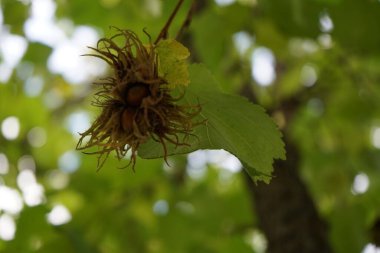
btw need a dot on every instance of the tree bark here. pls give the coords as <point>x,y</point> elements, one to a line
<point>286,212</point>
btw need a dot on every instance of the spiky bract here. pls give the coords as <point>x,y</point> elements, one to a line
<point>136,102</point>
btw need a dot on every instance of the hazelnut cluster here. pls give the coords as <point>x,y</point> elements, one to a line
<point>136,103</point>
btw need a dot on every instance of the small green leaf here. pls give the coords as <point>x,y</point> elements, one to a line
<point>233,124</point>
<point>172,62</point>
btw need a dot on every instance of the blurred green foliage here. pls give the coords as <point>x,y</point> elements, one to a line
<point>167,209</point>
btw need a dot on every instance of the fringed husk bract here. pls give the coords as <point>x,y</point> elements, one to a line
<point>136,102</point>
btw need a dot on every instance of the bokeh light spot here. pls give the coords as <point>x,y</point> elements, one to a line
<point>263,66</point>
<point>34,195</point>
<point>32,192</point>
<point>325,41</point>
<point>24,70</point>
<point>371,248</point>
<point>161,207</point>
<point>224,160</point>
<point>26,162</point>
<point>41,26</point>
<point>26,179</point>
<point>10,128</point>
<point>5,73</point>
<point>37,137</point>
<point>154,7</point>
<point>12,48</point>
<point>10,200</point>
<point>58,180</point>
<point>376,137</point>
<point>53,99</point>
<point>7,227</point>
<point>326,22</point>
<point>69,161</point>
<point>78,122</point>
<point>59,215</point>
<point>4,164</point>
<point>257,241</point>
<point>308,75</point>
<point>33,86</point>
<point>360,184</point>
<point>224,2</point>
<point>66,58</point>
<point>242,41</point>
<point>196,164</point>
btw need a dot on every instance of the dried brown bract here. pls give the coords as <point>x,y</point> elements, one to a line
<point>136,102</point>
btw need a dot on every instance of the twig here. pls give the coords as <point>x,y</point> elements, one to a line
<point>164,31</point>
<point>186,23</point>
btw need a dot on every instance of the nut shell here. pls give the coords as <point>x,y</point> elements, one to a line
<point>136,93</point>
<point>127,119</point>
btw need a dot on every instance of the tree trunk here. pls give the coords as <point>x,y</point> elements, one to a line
<point>286,212</point>
<point>285,209</point>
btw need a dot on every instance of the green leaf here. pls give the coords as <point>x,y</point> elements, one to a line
<point>172,62</point>
<point>233,124</point>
